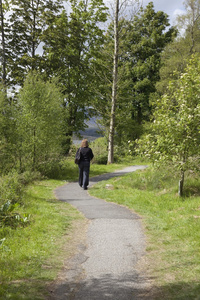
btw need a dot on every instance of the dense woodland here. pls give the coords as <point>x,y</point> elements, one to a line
<point>57,72</point>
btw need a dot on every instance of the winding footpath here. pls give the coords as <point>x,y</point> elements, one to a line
<point>105,264</point>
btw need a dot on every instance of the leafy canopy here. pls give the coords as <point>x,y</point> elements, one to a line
<point>175,132</point>
<point>40,121</point>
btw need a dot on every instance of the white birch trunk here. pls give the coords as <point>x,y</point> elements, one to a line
<point>114,87</point>
<point>3,44</point>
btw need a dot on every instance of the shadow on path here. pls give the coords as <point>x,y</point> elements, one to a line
<point>106,287</point>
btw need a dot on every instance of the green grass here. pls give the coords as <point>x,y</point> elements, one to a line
<point>68,170</point>
<point>29,255</point>
<point>32,256</point>
<point>172,226</point>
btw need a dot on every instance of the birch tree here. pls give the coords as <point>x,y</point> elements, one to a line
<point>119,6</point>
<point>3,9</point>
<point>114,86</point>
<point>3,44</point>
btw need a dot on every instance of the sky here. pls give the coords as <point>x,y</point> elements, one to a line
<point>170,7</point>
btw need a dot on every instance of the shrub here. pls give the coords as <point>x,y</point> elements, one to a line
<point>99,148</point>
<point>10,188</point>
<point>10,218</point>
<point>13,184</point>
<point>29,176</point>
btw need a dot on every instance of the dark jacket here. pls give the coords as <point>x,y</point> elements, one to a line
<point>86,154</point>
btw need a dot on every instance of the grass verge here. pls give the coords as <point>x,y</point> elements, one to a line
<point>31,256</point>
<point>69,171</point>
<point>172,227</point>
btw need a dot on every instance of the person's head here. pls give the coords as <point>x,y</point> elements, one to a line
<point>84,143</point>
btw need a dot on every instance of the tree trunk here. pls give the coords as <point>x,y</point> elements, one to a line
<point>114,87</point>
<point>3,45</point>
<point>181,183</point>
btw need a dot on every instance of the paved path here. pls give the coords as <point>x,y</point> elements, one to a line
<point>105,266</point>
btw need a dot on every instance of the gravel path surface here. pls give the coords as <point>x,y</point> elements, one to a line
<point>105,264</point>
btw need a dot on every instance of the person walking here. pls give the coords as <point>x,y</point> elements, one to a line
<point>86,155</point>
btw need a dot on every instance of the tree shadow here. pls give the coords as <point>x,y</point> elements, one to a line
<point>26,289</point>
<point>105,287</point>
<point>126,287</point>
<point>176,291</point>
<point>191,190</point>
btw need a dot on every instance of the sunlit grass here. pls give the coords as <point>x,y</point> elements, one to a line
<point>172,226</point>
<point>69,170</point>
<point>29,257</point>
<point>32,256</point>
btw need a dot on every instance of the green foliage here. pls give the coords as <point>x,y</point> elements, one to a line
<point>28,177</point>
<point>3,248</point>
<point>71,43</point>
<point>153,180</point>
<point>11,188</point>
<point>175,135</point>
<point>13,184</point>
<point>141,42</point>
<point>26,23</point>
<point>40,122</point>
<point>10,218</point>
<point>177,53</point>
<point>7,133</point>
<point>99,148</point>
<point>146,38</point>
<point>1,242</point>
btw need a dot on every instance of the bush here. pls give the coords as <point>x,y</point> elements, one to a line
<point>13,184</point>
<point>50,168</point>
<point>29,176</point>
<point>10,188</point>
<point>99,148</point>
<point>10,218</point>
